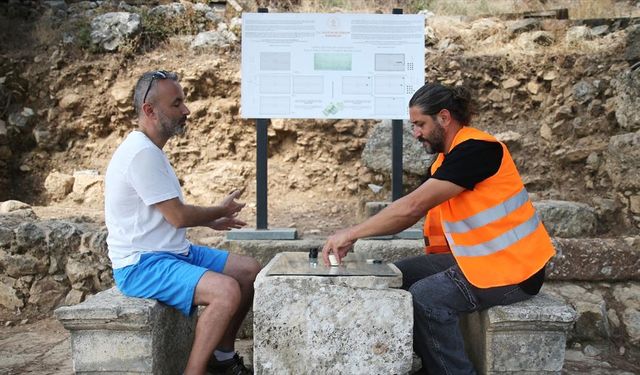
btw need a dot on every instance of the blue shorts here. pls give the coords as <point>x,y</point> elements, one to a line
<point>170,278</point>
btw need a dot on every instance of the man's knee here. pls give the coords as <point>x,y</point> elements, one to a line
<point>248,270</point>
<point>253,268</point>
<point>220,291</point>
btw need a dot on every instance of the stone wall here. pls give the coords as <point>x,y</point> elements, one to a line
<point>46,263</point>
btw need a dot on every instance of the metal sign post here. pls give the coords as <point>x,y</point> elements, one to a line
<point>396,151</point>
<point>262,231</point>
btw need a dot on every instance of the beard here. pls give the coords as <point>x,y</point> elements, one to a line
<point>434,142</point>
<point>172,126</point>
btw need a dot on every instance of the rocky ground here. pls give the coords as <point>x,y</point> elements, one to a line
<point>560,93</point>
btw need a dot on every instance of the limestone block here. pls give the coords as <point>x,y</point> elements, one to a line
<point>627,99</point>
<point>88,184</point>
<point>377,151</point>
<point>58,185</point>
<point>30,237</point>
<point>47,293</point>
<point>331,325</point>
<point>110,30</point>
<point>567,219</point>
<point>594,259</point>
<point>623,160</point>
<point>6,237</point>
<point>22,264</point>
<point>628,295</point>
<point>62,236</point>
<point>264,251</point>
<point>631,321</point>
<point>8,297</point>
<point>372,208</point>
<point>592,320</point>
<point>78,270</point>
<point>121,93</point>
<point>12,205</point>
<point>112,333</point>
<point>217,39</point>
<point>389,250</point>
<point>528,337</point>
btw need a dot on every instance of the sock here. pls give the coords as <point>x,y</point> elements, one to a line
<point>223,356</point>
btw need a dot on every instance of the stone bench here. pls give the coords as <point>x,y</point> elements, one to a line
<point>330,323</point>
<point>115,334</point>
<point>524,338</point>
<point>527,337</point>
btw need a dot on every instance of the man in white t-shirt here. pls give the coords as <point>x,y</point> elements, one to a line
<point>146,217</point>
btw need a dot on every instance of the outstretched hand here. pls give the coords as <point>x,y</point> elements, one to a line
<point>229,204</point>
<point>226,223</point>
<point>338,244</point>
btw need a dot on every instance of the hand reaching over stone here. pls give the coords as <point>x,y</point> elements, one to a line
<point>338,244</point>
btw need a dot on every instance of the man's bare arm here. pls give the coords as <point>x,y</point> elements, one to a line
<point>407,210</point>
<point>182,215</point>
<point>398,216</point>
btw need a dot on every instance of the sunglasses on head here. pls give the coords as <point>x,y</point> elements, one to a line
<point>158,74</point>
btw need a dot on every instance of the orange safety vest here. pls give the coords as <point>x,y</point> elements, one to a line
<point>493,231</point>
<point>434,234</point>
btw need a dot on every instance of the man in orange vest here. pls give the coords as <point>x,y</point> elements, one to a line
<point>487,245</point>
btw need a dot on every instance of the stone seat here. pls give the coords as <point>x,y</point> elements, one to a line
<point>115,334</point>
<point>527,337</point>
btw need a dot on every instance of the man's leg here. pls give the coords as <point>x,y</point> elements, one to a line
<point>221,295</point>
<point>244,270</point>
<point>420,276</point>
<point>437,302</point>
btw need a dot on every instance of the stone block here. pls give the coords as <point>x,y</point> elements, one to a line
<point>112,333</point>
<point>262,234</point>
<point>567,219</point>
<point>528,337</point>
<point>594,259</point>
<point>389,251</point>
<point>263,251</point>
<point>372,208</point>
<point>410,234</point>
<point>331,324</point>
<point>377,151</point>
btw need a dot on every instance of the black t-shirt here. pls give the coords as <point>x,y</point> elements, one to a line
<point>471,162</point>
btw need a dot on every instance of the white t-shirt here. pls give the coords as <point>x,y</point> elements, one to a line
<point>138,176</point>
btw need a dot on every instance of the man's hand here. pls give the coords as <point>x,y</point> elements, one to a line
<point>229,204</point>
<point>226,223</point>
<point>339,244</point>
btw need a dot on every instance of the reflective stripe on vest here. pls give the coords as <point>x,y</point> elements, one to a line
<point>499,243</point>
<point>489,215</point>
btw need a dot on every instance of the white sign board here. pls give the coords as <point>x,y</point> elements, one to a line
<point>341,66</point>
